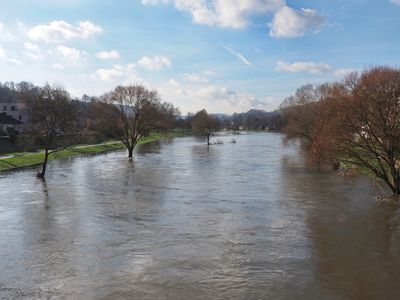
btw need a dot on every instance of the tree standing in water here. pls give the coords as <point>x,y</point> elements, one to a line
<point>204,124</point>
<point>127,113</point>
<point>53,120</point>
<point>356,121</point>
<point>369,114</point>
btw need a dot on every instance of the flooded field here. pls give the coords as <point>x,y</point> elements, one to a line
<point>244,220</point>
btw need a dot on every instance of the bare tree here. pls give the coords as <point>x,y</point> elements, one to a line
<point>302,112</point>
<point>369,116</point>
<point>355,121</point>
<point>204,124</point>
<point>53,119</point>
<point>167,116</point>
<point>311,118</point>
<point>127,113</point>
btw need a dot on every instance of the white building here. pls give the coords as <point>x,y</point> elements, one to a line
<point>15,110</point>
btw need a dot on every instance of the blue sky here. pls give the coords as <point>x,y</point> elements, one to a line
<point>223,55</point>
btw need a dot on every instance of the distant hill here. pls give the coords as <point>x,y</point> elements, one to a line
<point>253,119</point>
<point>221,117</point>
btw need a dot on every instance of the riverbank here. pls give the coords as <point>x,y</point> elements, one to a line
<point>28,159</point>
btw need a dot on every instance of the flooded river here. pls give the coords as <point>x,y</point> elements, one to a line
<point>242,220</point>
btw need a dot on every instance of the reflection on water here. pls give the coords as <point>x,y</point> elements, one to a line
<point>241,221</point>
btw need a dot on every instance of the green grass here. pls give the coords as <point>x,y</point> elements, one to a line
<point>362,169</point>
<point>30,159</point>
<point>26,159</point>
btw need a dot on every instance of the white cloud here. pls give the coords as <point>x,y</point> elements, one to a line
<point>59,31</point>
<point>32,51</point>
<point>223,13</point>
<point>118,73</point>
<point>343,72</point>
<point>397,2</point>
<point>236,101</point>
<point>113,54</point>
<point>312,67</point>
<point>238,55</point>
<point>154,63</point>
<point>209,73</point>
<point>303,66</point>
<point>6,35</point>
<point>290,23</point>
<point>31,47</point>
<point>15,61</point>
<point>216,98</point>
<point>70,54</point>
<point>195,78</point>
<point>287,22</point>
<point>2,53</point>
<point>152,2</point>
<point>201,77</point>
<point>58,66</point>
<point>5,57</point>
<point>173,83</point>
<point>109,74</point>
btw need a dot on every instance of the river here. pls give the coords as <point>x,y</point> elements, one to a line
<point>244,220</point>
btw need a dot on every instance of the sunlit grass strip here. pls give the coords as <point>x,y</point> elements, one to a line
<point>31,159</point>
<point>26,159</point>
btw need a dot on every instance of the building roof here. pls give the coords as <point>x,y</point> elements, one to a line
<point>8,120</point>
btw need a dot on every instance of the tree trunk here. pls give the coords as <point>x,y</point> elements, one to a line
<point>396,189</point>
<point>44,165</point>
<point>130,152</point>
<point>208,139</point>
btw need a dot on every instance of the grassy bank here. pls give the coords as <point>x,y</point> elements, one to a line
<point>26,159</point>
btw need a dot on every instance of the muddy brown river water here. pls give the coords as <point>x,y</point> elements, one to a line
<point>235,221</point>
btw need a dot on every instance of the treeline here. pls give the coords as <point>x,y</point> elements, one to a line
<point>256,120</point>
<point>355,121</point>
<point>251,120</point>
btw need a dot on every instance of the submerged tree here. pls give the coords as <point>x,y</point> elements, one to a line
<point>355,121</point>
<point>311,119</point>
<point>53,120</point>
<point>369,119</point>
<point>128,113</point>
<point>301,111</point>
<point>204,124</point>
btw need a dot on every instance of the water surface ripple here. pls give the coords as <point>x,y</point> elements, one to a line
<point>235,221</point>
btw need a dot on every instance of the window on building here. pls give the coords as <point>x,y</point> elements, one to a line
<point>20,118</point>
<point>13,108</point>
<point>5,108</point>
